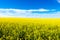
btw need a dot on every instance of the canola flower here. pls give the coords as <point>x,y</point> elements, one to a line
<point>29,29</point>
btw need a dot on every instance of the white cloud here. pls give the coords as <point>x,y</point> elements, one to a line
<point>58,1</point>
<point>29,13</point>
<point>41,10</point>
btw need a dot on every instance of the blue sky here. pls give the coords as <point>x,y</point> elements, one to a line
<point>30,4</point>
<point>30,8</point>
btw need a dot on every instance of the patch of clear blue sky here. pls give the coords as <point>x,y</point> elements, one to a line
<point>30,4</point>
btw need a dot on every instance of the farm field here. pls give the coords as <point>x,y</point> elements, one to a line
<point>29,29</point>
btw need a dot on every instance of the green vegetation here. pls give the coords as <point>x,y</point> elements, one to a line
<point>28,31</point>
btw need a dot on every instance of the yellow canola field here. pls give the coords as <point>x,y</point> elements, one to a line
<point>29,28</point>
<point>32,20</point>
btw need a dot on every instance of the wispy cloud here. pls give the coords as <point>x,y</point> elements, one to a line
<point>41,10</point>
<point>29,13</point>
<point>58,1</point>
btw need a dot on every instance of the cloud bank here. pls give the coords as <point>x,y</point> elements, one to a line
<point>31,13</point>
